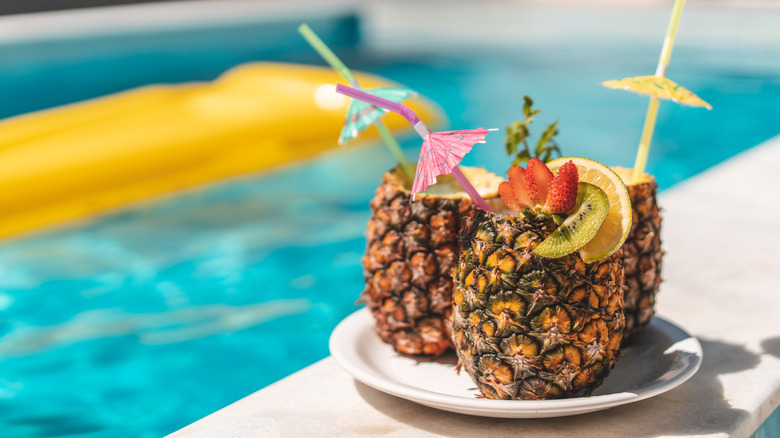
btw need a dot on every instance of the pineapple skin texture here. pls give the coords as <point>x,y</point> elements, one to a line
<point>411,250</point>
<point>530,328</point>
<point>642,259</point>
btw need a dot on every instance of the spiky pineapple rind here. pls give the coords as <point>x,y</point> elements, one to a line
<point>531,328</point>
<point>411,249</point>
<point>642,258</point>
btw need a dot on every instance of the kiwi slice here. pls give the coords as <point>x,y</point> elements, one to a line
<point>590,211</point>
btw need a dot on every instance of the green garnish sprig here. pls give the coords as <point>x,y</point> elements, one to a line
<point>517,135</point>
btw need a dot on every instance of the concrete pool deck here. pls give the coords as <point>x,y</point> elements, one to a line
<point>720,284</point>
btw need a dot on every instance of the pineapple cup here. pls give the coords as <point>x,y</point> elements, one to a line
<point>411,249</point>
<point>531,328</point>
<point>642,255</point>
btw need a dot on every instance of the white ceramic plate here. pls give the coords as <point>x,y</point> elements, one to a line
<point>665,357</point>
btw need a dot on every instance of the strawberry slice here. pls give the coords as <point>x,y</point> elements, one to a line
<point>508,196</point>
<point>519,187</point>
<point>537,178</point>
<point>563,189</point>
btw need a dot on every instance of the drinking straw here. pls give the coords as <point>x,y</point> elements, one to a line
<point>652,108</point>
<point>421,129</point>
<point>392,145</point>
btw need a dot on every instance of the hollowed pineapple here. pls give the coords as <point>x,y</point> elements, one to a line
<point>411,249</point>
<point>530,328</point>
<point>642,255</point>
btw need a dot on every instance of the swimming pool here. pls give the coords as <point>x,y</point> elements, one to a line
<point>140,322</point>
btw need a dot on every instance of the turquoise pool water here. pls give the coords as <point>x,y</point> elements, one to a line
<point>141,322</point>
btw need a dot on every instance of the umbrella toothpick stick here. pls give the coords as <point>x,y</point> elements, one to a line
<point>336,64</point>
<point>652,108</point>
<point>468,188</point>
<point>644,142</point>
<point>425,133</point>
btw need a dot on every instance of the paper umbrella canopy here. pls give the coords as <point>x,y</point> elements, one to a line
<point>361,115</point>
<point>658,86</point>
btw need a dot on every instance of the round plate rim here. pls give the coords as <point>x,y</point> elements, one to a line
<point>344,343</point>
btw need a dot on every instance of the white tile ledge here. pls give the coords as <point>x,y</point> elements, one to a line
<point>722,250</point>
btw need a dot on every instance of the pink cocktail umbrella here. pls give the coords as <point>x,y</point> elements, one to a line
<point>441,151</point>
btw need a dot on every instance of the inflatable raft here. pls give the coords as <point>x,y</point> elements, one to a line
<point>80,159</point>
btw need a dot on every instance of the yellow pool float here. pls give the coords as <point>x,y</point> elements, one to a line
<point>80,159</point>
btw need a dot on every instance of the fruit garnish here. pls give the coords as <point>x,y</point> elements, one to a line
<point>537,178</point>
<point>537,188</point>
<point>508,197</point>
<point>517,135</point>
<point>563,189</point>
<point>614,230</point>
<point>519,188</point>
<point>590,210</point>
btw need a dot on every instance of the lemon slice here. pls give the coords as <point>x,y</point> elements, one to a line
<point>614,230</point>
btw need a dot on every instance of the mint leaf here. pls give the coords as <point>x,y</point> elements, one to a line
<point>517,135</point>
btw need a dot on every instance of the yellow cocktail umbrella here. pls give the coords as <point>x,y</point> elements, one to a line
<point>657,87</point>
